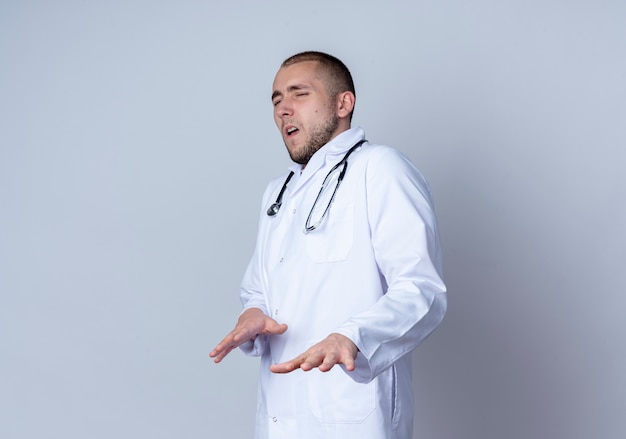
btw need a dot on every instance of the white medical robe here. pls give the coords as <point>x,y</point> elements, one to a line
<point>371,271</point>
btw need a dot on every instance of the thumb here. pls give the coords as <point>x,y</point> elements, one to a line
<point>274,328</point>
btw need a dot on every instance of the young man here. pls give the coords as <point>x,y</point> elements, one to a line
<point>345,280</point>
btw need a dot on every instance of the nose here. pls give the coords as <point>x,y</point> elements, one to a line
<point>283,108</point>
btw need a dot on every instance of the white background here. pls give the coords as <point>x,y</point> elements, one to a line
<point>136,139</point>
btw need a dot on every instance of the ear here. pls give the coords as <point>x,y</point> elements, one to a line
<point>345,104</point>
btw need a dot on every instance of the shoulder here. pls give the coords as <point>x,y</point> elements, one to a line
<point>384,156</point>
<point>385,163</point>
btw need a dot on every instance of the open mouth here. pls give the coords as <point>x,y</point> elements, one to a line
<point>291,131</point>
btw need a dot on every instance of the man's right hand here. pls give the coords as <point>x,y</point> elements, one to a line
<point>252,322</point>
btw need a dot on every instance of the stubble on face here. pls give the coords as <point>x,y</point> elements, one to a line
<point>319,136</point>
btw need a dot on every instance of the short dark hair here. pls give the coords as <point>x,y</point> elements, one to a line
<point>337,76</point>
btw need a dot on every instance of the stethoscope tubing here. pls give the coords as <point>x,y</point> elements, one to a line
<point>275,207</point>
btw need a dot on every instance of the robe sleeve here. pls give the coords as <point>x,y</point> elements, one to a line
<point>405,240</point>
<point>252,294</point>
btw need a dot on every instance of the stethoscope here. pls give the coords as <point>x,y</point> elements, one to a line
<point>308,227</point>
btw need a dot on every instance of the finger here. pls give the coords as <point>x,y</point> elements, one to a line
<point>276,328</point>
<point>224,347</point>
<point>219,348</point>
<point>348,362</point>
<point>221,351</point>
<point>226,341</point>
<point>315,357</point>
<point>329,361</point>
<point>236,338</point>
<point>287,366</point>
<point>218,357</point>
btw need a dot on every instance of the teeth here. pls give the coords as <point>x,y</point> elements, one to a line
<point>291,130</point>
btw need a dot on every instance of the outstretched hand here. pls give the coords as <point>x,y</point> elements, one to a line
<point>334,349</point>
<point>252,322</point>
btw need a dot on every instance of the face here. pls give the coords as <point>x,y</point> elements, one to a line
<point>304,112</point>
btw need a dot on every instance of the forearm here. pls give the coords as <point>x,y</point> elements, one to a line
<point>398,323</point>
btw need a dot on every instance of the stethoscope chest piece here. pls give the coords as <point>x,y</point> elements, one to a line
<point>273,209</point>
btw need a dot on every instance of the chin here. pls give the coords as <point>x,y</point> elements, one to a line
<point>292,148</point>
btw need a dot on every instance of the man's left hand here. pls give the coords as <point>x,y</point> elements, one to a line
<point>334,349</point>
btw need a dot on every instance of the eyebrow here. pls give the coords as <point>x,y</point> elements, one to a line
<point>291,88</point>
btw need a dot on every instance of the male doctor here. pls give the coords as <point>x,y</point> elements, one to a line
<point>345,280</point>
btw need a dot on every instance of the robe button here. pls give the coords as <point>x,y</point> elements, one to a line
<point>275,419</point>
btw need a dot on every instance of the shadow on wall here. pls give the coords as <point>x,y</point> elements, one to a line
<point>504,362</point>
